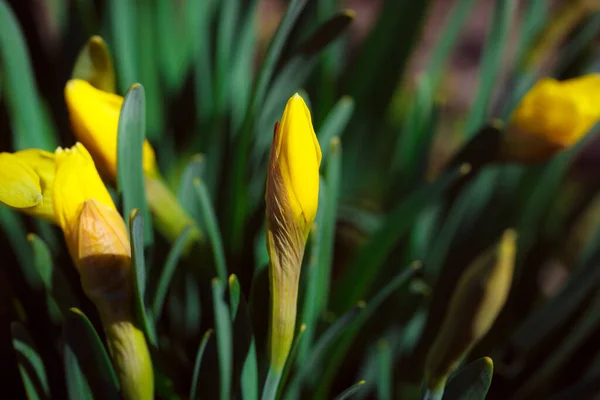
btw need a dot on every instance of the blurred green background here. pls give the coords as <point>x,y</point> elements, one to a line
<point>404,85</point>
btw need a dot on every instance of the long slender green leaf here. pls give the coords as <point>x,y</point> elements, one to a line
<point>124,28</point>
<point>166,274</point>
<point>130,142</point>
<point>197,363</point>
<point>335,124</point>
<point>345,341</point>
<point>471,382</point>
<point>46,274</point>
<point>31,366</point>
<point>358,279</point>
<point>88,371</point>
<point>136,235</point>
<point>224,337</point>
<point>386,366</point>
<point>20,92</point>
<point>351,391</point>
<point>491,62</point>
<point>199,26</point>
<point>228,22</point>
<point>212,227</point>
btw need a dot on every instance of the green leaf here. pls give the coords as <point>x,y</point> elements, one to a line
<point>212,227</point>
<point>130,142</point>
<point>491,63</point>
<point>386,366</point>
<point>166,274</point>
<point>581,39</point>
<point>31,366</point>
<point>16,233</point>
<point>199,22</point>
<point>228,22</point>
<point>335,124</point>
<point>94,64</point>
<point>20,92</point>
<point>88,371</point>
<point>198,363</point>
<point>245,363</point>
<point>317,356</point>
<point>383,56</point>
<point>224,337</point>
<point>358,279</point>
<point>470,382</point>
<point>136,235</point>
<point>351,391</point>
<point>345,342</point>
<point>124,30</point>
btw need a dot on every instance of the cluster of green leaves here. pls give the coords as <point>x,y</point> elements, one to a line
<point>368,311</point>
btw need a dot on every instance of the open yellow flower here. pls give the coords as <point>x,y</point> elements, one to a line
<point>98,242</point>
<point>291,206</point>
<point>26,181</point>
<point>95,119</point>
<point>551,117</point>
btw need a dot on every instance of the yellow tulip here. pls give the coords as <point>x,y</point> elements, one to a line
<point>551,117</point>
<point>26,181</point>
<point>98,242</point>
<point>291,206</point>
<point>95,119</point>
<point>478,299</point>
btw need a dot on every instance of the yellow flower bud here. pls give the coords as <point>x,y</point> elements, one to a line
<point>551,117</point>
<point>95,119</point>
<point>98,242</point>
<point>291,206</point>
<point>479,297</point>
<point>26,181</point>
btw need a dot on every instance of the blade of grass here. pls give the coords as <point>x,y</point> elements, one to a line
<point>471,382</point>
<point>136,236</point>
<point>20,92</point>
<point>130,142</point>
<point>335,124</point>
<point>228,22</point>
<point>166,274</point>
<point>31,366</point>
<point>386,365</point>
<point>351,391</point>
<point>212,228</point>
<point>123,29</point>
<point>199,26</point>
<point>224,337</point>
<point>358,279</point>
<point>491,63</point>
<point>198,362</point>
<point>88,370</point>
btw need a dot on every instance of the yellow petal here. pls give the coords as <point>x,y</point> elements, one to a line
<point>299,157</point>
<point>19,184</point>
<point>42,163</point>
<point>76,181</point>
<point>559,112</point>
<point>95,118</point>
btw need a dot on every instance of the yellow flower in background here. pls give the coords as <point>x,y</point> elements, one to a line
<point>291,206</point>
<point>476,302</point>
<point>551,117</point>
<point>26,182</point>
<point>95,118</point>
<point>98,242</point>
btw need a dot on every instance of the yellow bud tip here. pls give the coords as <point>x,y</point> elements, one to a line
<point>346,99</point>
<point>361,382</point>
<point>135,85</point>
<point>196,181</point>
<point>96,39</point>
<point>31,237</point>
<point>416,265</point>
<point>361,304</point>
<point>350,13</point>
<point>208,333</point>
<point>215,281</point>
<point>232,279</point>
<point>465,168</point>
<point>489,362</point>
<point>302,327</point>
<point>197,158</point>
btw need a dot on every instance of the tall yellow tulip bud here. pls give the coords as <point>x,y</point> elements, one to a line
<point>479,297</point>
<point>551,117</point>
<point>291,206</point>
<point>26,181</point>
<point>95,119</point>
<point>97,239</point>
